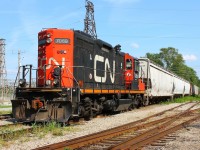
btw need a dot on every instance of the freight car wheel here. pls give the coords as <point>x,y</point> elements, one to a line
<point>145,101</point>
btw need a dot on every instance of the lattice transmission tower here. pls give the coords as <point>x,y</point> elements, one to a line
<point>89,22</point>
<point>3,72</point>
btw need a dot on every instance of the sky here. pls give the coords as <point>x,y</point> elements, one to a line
<point>139,26</point>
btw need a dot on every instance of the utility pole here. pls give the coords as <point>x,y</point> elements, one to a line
<point>19,64</point>
<point>89,22</point>
<point>3,72</point>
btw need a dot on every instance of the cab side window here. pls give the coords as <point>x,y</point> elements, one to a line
<point>128,64</point>
<point>137,67</point>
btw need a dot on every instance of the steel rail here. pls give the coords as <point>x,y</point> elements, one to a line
<point>10,125</point>
<point>162,134</point>
<point>5,116</point>
<point>134,140</point>
<point>89,139</point>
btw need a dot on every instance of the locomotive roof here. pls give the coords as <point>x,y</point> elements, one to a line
<point>90,39</point>
<point>86,37</point>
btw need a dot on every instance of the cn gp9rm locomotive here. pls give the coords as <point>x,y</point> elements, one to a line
<point>77,76</point>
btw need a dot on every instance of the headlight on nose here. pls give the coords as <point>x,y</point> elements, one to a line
<point>48,82</point>
<point>49,40</point>
<point>48,35</point>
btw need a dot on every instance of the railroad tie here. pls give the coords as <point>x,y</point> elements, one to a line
<point>158,144</point>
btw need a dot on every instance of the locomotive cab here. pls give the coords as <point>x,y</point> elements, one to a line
<point>131,73</point>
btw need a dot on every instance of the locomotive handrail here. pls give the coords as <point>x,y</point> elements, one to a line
<point>16,81</point>
<point>101,84</point>
<point>30,69</point>
<point>17,76</point>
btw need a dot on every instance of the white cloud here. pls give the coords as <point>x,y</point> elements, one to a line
<point>134,45</point>
<point>190,57</point>
<point>122,1</point>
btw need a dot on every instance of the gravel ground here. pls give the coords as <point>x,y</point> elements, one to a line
<point>188,138</point>
<point>95,125</point>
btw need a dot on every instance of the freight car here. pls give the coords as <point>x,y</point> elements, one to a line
<point>161,83</point>
<point>77,76</point>
<point>195,90</point>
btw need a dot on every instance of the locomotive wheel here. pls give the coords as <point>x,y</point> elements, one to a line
<point>88,115</point>
<point>137,102</point>
<point>130,107</point>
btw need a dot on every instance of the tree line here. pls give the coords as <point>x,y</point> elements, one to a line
<point>170,59</point>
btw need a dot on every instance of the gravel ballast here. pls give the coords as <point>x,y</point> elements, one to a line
<point>95,125</point>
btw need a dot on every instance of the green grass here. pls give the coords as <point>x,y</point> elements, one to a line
<point>51,128</point>
<point>39,131</point>
<point>9,139</point>
<point>66,148</point>
<point>12,136</point>
<point>5,106</point>
<point>5,112</point>
<point>183,99</point>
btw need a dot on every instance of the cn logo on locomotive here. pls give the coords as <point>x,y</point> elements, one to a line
<point>106,70</point>
<point>51,61</point>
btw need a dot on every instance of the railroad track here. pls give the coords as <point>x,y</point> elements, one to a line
<point>143,131</point>
<point>10,125</point>
<point>5,116</point>
<point>163,129</point>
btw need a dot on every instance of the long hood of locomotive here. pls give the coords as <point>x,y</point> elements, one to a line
<point>85,62</point>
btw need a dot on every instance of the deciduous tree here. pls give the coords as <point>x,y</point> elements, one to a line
<point>170,59</point>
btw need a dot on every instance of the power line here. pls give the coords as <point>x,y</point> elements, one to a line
<point>149,9</point>
<point>153,23</point>
<point>149,36</point>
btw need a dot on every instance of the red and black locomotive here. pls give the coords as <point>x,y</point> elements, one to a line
<point>77,76</point>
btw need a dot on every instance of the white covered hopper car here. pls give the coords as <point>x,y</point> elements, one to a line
<point>161,83</point>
